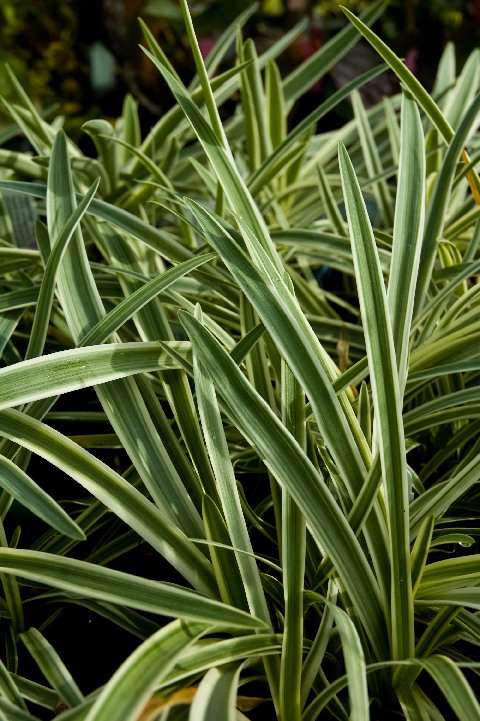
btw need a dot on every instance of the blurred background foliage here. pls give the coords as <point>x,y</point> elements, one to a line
<point>79,57</point>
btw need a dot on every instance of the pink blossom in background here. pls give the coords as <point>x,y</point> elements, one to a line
<point>206,44</point>
<point>411,59</point>
<point>308,43</point>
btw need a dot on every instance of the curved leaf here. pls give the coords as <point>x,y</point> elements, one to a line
<point>92,581</point>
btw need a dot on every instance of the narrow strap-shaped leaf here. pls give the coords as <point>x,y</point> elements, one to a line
<point>432,635</point>
<point>317,651</point>
<point>392,128</point>
<point>41,318</point>
<point>10,712</point>
<point>288,326</point>
<point>446,74</point>
<point>252,141</point>
<point>423,98</point>
<point>24,489</point>
<point>22,163</point>
<point>130,129</point>
<point>450,573</point>
<point>438,499</point>
<point>251,222</point>
<point>70,370</point>
<point>139,298</point>
<point>432,310</point>
<point>52,667</point>
<point>226,486</point>
<point>407,232</point>
<point>11,589</point>
<point>296,474</point>
<point>293,559</point>
<point>364,412</point>
<point>448,400</point>
<point>18,299</point>
<point>21,117</point>
<point>36,692</point>
<point>372,160</point>
<point>230,586</point>
<point>358,514</point>
<point>473,245</point>
<point>258,179</point>
<point>22,214</point>
<point>386,402</point>
<point>225,40</point>
<point>246,343</point>
<point>216,695</point>
<point>202,657</point>
<point>255,82</point>
<point>100,131</point>
<point>463,597</point>
<point>331,52</point>
<point>161,242</point>
<point>313,711</point>
<point>415,705</point>
<point>256,363</point>
<point>223,85</point>
<point>441,192</point>
<point>41,129</point>
<point>355,666</point>
<point>135,680</point>
<point>92,581</point>
<point>9,689</point>
<point>280,312</point>
<point>455,687</point>
<point>464,91</point>
<point>83,308</point>
<point>277,117</point>
<point>421,549</point>
<point>8,323</point>
<point>114,492</point>
<point>202,73</point>
<point>331,207</point>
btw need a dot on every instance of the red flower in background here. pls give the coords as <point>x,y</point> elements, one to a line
<point>308,43</point>
<point>206,44</point>
<point>411,59</point>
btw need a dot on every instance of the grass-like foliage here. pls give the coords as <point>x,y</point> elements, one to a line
<point>239,395</point>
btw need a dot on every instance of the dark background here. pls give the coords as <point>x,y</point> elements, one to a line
<point>80,57</point>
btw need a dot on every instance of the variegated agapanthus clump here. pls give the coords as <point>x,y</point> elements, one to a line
<point>264,485</point>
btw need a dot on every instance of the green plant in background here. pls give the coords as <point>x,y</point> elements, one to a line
<point>38,40</point>
<point>303,460</point>
<point>79,59</point>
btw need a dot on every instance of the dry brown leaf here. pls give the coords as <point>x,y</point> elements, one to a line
<point>157,704</point>
<point>185,698</point>
<point>247,703</point>
<point>472,179</point>
<point>343,352</point>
